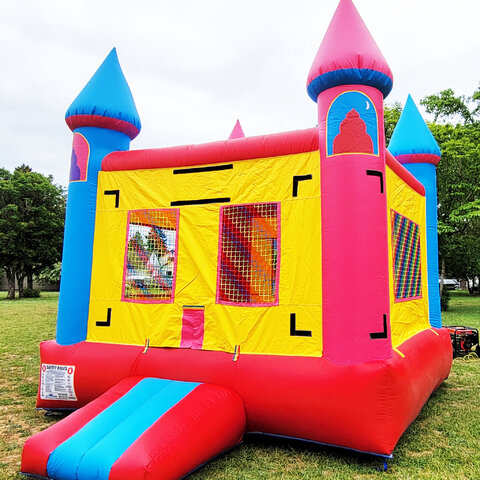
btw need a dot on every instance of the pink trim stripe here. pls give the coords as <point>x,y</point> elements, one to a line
<point>279,251</point>
<point>287,143</point>
<point>400,300</point>
<point>77,121</point>
<point>219,253</point>
<point>418,158</point>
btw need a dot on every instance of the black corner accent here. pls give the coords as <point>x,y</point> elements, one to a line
<point>296,180</point>
<point>293,328</point>
<point>117,196</point>
<point>202,201</point>
<point>379,174</point>
<point>213,168</point>
<point>384,334</point>
<point>106,323</point>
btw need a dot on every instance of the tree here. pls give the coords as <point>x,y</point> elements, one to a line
<point>51,274</point>
<point>135,248</point>
<point>8,210</point>
<point>449,108</point>
<point>391,115</point>
<point>156,241</point>
<point>32,211</point>
<point>457,131</point>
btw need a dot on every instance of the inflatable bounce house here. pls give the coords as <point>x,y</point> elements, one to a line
<point>284,284</point>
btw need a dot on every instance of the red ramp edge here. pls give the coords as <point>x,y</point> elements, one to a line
<point>37,449</point>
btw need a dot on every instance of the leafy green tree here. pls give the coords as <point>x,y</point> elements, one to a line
<point>32,211</point>
<point>51,274</point>
<point>136,246</point>
<point>457,131</point>
<point>391,115</point>
<point>451,109</point>
<point>8,210</point>
<point>157,241</point>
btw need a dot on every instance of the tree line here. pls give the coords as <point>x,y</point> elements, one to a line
<point>32,212</point>
<point>456,128</point>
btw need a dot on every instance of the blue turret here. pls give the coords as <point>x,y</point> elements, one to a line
<point>415,147</point>
<point>103,119</point>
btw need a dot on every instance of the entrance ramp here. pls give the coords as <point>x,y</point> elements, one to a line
<point>142,428</point>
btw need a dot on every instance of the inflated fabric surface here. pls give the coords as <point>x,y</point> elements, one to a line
<point>365,406</point>
<point>272,273</point>
<point>140,428</point>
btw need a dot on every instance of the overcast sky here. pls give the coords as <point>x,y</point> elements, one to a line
<point>194,67</point>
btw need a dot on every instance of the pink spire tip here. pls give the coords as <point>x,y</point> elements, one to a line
<point>237,131</point>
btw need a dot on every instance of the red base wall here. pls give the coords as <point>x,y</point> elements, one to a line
<point>366,407</point>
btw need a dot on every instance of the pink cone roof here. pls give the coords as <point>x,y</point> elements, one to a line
<point>349,45</point>
<point>237,131</point>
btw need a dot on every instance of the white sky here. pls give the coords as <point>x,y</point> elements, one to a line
<point>194,66</point>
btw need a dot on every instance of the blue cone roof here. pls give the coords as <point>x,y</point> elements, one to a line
<point>412,135</point>
<point>108,95</point>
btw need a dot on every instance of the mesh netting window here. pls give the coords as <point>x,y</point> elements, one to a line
<point>248,258</point>
<point>150,258</point>
<point>406,258</point>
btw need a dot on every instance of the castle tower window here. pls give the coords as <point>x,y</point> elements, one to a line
<point>352,125</point>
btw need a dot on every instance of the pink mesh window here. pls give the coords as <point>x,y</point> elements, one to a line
<point>151,256</point>
<point>248,254</point>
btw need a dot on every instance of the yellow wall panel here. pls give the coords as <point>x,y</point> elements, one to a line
<point>411,316</point>
<point>256,329</point>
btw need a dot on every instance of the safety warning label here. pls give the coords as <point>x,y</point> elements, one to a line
<point>56,382</point>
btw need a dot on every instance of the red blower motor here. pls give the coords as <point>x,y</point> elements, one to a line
<point>464,339</point>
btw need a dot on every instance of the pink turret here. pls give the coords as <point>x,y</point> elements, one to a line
<point>348,55</point>
<point>237,131</point>
<point>348,79</point>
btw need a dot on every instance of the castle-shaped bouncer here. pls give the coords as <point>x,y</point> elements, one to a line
<point>284,284</point>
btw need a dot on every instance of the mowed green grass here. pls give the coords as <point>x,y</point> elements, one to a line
<point>23,325</point>
<point>443,443</point>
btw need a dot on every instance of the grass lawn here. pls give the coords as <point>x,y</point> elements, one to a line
<point>443,443</point>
